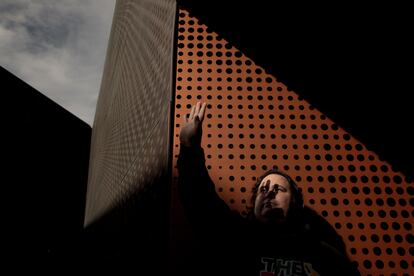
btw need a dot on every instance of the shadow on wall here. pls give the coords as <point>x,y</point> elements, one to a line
<point>45,158</point>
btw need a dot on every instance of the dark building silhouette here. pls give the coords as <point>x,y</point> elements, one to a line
<point>45,160</point>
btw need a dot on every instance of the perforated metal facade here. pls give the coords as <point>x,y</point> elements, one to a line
<point>254,122</point>
<point>131,127</point>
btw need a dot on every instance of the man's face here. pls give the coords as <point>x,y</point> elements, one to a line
<point>273,199</point>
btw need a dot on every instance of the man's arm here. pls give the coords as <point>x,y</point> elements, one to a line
<point>197,191</point>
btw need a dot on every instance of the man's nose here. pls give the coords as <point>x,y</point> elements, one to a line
<point>272,193</point>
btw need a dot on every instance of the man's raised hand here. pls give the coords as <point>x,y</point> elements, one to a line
<point>191,130</point>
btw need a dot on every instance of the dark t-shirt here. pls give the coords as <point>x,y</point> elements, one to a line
<point>230,244</point>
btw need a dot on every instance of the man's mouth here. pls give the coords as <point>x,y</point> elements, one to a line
<point>271,210</point>
<point>269,204</point>
<point>274,213</point>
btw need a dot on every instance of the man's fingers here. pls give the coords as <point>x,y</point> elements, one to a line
<point>192,113</point>
<point>185,119</point>
<point>201,111</point>
<point>197,109</point>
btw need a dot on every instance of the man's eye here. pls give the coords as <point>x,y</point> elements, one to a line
<point>264,190</point>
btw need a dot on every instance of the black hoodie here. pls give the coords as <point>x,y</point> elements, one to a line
<point>230,244</point>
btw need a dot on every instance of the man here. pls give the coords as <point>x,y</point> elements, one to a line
<point>274,239</point>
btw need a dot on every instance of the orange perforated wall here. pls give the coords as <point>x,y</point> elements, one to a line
<point>253,123</point>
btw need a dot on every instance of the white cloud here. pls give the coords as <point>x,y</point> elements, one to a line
<point>58,47</point>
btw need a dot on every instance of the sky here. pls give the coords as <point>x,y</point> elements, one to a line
<point>58,47</point>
